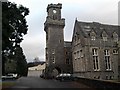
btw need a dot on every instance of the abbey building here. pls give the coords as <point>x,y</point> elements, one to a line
<point>92,53</point>
<point>95,50</point>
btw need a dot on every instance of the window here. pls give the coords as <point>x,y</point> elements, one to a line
<point>78,40</point>
<point>115,37</point>
<point>115,51</point>
<point>95,60</point>
<point>53,55</point>
<point>78,54</point>
<point>66,53</point>
<point>81,54</point>
<point>104,38</point>
<point>107,59</point>
<point>92,37</point>
<point>67,61</point>
<point>53,51</point>
<point>60,41</point>
<point>75,55</point>
<point>75,38</point>
<point>53,58</point>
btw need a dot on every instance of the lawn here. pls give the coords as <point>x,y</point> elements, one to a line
<point>8,84</point>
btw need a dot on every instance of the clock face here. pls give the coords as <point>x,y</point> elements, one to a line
<point>54,11</point>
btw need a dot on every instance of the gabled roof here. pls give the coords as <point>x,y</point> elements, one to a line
<point>85,28</point>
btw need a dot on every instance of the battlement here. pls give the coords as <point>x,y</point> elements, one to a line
<point>59,5</point>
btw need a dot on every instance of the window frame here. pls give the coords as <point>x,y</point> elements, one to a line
<point>107,59</point>
<point>95,57</point>
<point>116,51</point>
<point>105,38</point>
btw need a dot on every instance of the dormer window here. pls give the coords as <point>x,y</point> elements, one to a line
<point>93,35</point>
<point>104,36</point>
<point>115,37</point>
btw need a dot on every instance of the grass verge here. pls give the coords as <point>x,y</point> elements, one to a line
<point>7,84</point>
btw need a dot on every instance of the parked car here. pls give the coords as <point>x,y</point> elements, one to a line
<point>15,76</point>
<point>9,76</point>
<point>64,76</point>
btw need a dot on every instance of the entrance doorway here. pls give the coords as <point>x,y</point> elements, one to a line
<point>55,72</point>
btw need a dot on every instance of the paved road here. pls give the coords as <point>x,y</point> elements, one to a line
<point>36,82</point>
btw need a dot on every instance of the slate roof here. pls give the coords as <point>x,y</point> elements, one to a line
<point>86,27</point>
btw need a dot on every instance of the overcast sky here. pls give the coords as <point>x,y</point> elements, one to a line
<point>103,11</point>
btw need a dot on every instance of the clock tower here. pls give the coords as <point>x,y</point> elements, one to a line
<point>53,27</point>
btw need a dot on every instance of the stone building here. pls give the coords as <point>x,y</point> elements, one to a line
<point>36,71</point>
<point>68,56</point>
<point>95,50</point>
<point>92,53</point>
<point>53,27</point>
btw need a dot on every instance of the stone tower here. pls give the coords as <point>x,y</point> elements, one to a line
<point>53,27</point>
